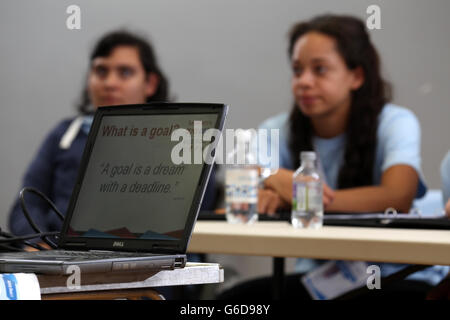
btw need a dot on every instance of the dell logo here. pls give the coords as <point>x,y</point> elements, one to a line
<point>118,244</point>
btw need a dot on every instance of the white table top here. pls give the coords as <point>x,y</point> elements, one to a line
<point>280,239</point>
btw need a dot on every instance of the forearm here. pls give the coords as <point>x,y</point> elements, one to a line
<point>397,190</point>
<point>370,199</point>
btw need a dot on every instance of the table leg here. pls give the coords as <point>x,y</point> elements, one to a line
<point>278,278</point>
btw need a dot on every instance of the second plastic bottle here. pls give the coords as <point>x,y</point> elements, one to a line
<point>307,202</point>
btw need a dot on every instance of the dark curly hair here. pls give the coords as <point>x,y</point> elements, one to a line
<point>354,45</point>
<point>114,39</point>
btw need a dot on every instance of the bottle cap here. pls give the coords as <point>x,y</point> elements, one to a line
<point>308,155</point>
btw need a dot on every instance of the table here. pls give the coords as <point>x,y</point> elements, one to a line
<point>128,284</point>
<point>279,240</point>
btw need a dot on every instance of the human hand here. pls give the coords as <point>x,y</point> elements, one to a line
<point>281,183</point>
<point>269,201</point>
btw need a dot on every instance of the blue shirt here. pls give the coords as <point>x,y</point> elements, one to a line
<point>398,142</point>
<point>53,171</point>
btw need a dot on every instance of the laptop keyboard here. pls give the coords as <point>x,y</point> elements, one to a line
<point>87,255</point>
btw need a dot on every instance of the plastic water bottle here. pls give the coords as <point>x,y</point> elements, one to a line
<point>307,201</point>
<point>241,181</point>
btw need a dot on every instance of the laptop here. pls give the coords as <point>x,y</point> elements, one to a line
<point>135,201</point>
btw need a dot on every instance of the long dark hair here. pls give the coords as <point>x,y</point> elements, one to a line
<point>354,45</point>
<point>147,56</point>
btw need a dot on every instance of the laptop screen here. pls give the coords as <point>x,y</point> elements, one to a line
<point>134,186</point>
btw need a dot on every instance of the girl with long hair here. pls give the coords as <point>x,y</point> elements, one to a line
<point>369,149</point>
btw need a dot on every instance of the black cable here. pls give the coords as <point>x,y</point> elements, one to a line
<point>29,236</point>
<point>28,216</point>
<point>28,243</point>
<point>11,239</point>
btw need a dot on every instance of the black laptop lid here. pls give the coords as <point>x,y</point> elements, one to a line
<point>132,194</point>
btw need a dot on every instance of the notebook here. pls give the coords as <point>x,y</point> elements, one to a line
<point>135,201</point>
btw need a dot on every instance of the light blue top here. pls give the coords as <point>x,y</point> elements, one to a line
<point>398,142</point>
<point>445,176</point>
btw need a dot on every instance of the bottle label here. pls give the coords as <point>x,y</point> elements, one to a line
<point>19,286</point>
<point>242,185</point>
<point>307,196</point>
